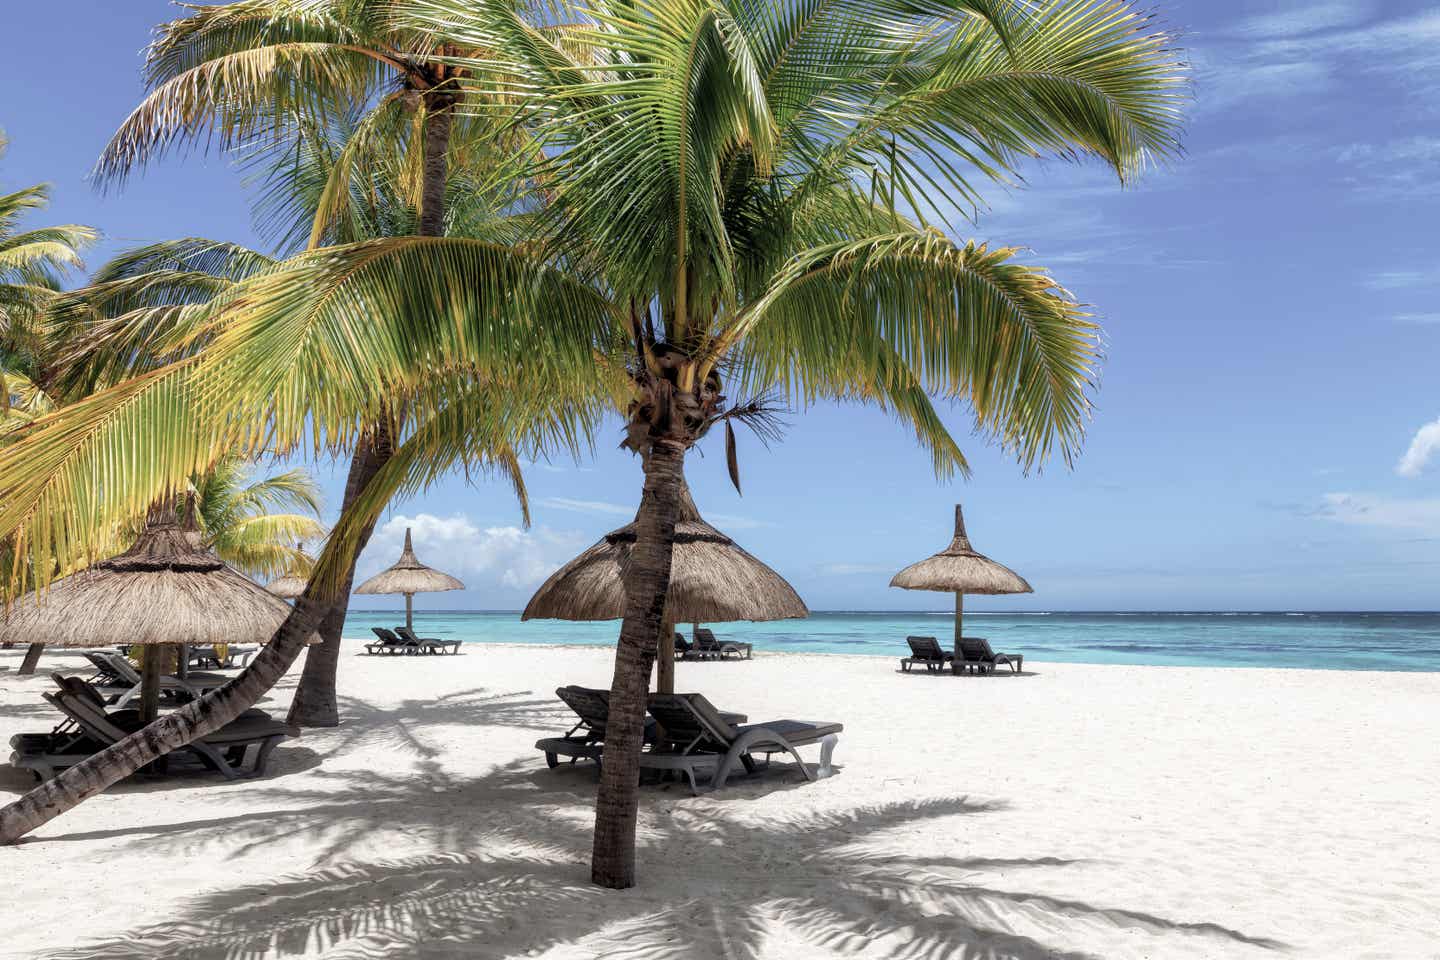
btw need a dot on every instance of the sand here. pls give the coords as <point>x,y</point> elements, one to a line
<point>1077,811</point>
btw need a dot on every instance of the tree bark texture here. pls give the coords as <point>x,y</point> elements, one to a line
<point>647,586</point>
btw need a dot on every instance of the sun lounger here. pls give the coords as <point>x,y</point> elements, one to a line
<point>582,741</point>
<point>926,650</point>
<point>979,657</point>
<point>585,740</point>
<point>432,644</point>
<point>190,687</point>
<point>391,644</point>
<point>706,643</point>
<point>206,656</point>
<point>697,740</point>
<point>225,750</point>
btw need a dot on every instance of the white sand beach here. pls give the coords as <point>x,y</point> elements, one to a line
<point>1077,811</point>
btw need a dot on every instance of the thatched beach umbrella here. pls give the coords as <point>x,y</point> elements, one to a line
<point>960,569</point>
<point>165,590</point>
<point>409,576</point>
<point>712,580</point>
<point>287,587</point>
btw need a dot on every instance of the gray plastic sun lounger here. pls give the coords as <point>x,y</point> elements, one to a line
<point>225,750</point>
<point>926,650</point>
<point>585,740</point>
<point>193,685</point>
<point>391,644</point>
<point>432,644</point>
<point>207,655</point>
<point>706,643</point>
<point>979,656</point>
<point>697,740</point>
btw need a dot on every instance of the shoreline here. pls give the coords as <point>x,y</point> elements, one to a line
<point>899,654</point>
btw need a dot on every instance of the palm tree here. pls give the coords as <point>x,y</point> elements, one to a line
<point>253,524</point>
<point>741,191</point>
<point>754,182</point>
<point>32,265</point>
<point>289,75</point>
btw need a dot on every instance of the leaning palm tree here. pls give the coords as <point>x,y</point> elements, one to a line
<point>318,89</point>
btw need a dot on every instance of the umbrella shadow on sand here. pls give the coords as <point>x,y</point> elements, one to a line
<point>505,874</point>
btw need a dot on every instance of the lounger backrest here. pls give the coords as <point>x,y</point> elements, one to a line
<point>681,643</point>
<point>688,717</point>
<point>925,648</point>
<point>92,720</point>
<point>76,687</point>
<point>407,635</point>
<point>976,649</point>
<point>121,667</point>
<point>385,635</point>
<point>705,639</point>
<point>590,705</point>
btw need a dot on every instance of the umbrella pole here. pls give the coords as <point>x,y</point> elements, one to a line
<point>150,681</point>
<point>959,620</point>
<point>665,662</point>
<point>410,612</point>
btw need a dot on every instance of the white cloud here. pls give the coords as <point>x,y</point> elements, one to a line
<point>1372,510</point>
<point>731,522</point>
<point>853,569</point>
<point>506,555</point>
<point>1423,319</point>
<point>1423,448</point>
<point>1403,279</point>
<point>588,506</point>
<point>1311,18</point>
<point>725,521</point>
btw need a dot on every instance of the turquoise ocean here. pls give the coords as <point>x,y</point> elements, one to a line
<point>1334,641</point>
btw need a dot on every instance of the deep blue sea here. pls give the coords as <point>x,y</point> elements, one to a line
<point>1336,641</point>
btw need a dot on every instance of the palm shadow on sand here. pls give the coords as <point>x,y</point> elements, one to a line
<point>507,871</point>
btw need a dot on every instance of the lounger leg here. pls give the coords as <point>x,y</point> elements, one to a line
<point>827,750</point>
<point>214,759</point>
<point>263,756</point>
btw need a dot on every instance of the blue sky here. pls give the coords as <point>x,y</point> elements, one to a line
<point>1268,426</point>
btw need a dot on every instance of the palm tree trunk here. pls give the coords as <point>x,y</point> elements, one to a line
<point>647,584</point>
<point>316,703</point>
<point>194,720</point>
<point>439,113</point>
<point>32,659</point>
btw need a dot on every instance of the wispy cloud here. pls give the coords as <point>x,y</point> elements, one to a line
<point>731,521</point>
<point>1311,18</point>
<point>504,556</point>
<point>1374,510</point>
<point>853,569</point>
<point>1403,279</point>
<point>1424,447</point>
<point>1314,49</point>
<point>588,506</point>
<point>1421,319</point>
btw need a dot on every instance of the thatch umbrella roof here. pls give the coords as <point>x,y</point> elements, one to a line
<point>712,580</point>
<point>165,589</point>
<point>960,569</point>
<point>287,587</point>
<point>409,576</point>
